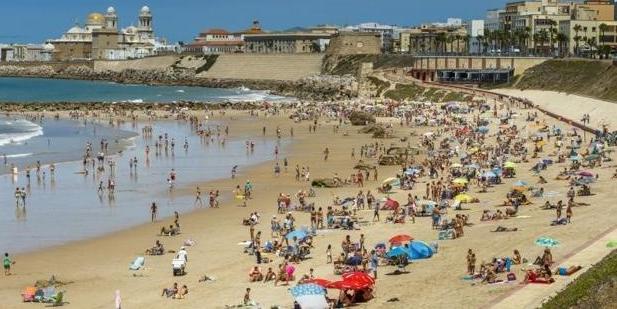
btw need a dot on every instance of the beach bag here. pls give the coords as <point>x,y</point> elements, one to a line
<point>511,277</point>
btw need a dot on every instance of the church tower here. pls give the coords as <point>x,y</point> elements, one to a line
<point>111,19</point>
<point>145,24</point>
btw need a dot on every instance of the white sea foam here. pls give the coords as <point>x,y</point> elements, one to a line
<point>18,131</point>
<point>18,155</point>
<point>180,90</point>
<point>246,95</point>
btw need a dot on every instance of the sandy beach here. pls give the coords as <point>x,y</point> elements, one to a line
<point>98,267</point>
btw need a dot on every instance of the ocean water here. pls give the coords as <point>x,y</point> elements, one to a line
<point>59,90</point>
<point>66,206</point>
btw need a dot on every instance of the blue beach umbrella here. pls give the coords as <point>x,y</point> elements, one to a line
<point>489,174</point>
<point>298,234</point>
<point>483,129</point>
<point>398,251</point>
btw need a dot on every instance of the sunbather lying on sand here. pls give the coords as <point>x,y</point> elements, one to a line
<point>505,229</point>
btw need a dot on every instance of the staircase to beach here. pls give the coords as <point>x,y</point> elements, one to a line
<point>257,66</point>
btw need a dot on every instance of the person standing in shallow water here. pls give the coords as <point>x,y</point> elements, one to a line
<point>153,211</point>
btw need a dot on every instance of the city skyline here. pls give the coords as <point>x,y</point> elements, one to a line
<point>46,20</point>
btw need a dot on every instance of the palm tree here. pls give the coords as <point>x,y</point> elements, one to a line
<point>562,39</point>
<point>603,29</point>
<point>440,40</point>
<point>480,42</point>
<point>577,28</point>
<point>466,40</point>
<point>552,35</point>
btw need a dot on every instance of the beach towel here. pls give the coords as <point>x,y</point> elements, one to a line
<point>28,294</point>
<point>137,263</point>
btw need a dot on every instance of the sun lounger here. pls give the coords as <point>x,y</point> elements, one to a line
<point>137,263</point>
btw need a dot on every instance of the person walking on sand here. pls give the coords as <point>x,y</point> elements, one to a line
<point>153,211</point>
<point>376,211</point>
<point>247,297</point>
<point>198,197</point>
<point>326,152</point>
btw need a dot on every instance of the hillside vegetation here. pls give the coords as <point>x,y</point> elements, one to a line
<point>350,64</point>
<point>596,79</point>
<point>596,288</point>
<point>418,93</point>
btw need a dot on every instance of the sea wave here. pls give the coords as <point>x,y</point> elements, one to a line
<point>18,155</point>
<point>246,95</point>
<point>17,131</point>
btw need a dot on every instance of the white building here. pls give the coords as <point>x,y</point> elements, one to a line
<point>491,22</point>
<point>475,29</point>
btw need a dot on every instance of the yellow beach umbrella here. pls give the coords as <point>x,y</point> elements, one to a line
<point>460,181</point>
<point>464,198</point>
<point>509,165</point>
<point>456,165</point>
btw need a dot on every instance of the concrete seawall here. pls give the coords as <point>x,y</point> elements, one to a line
<point>266,67</point>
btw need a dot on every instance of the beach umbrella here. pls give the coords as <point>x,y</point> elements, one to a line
<point>520,185</point>
<point>547,242</point>
<point>319,281</point>
<point>359,277</point>
<point>509,164</point>
<point>309,296</point>
<point>420,250</point>
<point>460,181</point>
<point>483,129</point>
<point>497,171</point>
<point>585,174</point>
<point>489,174</point>
<point>464,198</point>
<point>575,158</point>
<point>547,161</point>
<point>354,260</point>
<point>391,204</point>
<point>456,165</point>
<point>298,234</point>
<point>389,180</point>
<point>346,285</point>
<point>401,238</point>
<point>397,251</point>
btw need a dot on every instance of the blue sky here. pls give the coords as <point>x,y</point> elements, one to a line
<point>37,20</point>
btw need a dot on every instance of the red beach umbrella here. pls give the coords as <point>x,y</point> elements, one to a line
<point>320,281</point>
<point>399,239</point>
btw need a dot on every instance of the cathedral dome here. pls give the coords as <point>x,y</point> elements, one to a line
<point>145,10</point>
<point>111,10</point>
<point>95,19</point>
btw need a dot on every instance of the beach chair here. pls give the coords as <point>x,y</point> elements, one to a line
<point>446,234</point>
<point>137,263</point>
<point>49,295</point>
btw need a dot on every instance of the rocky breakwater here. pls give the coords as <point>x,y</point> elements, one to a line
<point>319,87</point>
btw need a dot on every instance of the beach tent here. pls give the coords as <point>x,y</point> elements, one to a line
<point>310,296</point>
<point>420,250</point>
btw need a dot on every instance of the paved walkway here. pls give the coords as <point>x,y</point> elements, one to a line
<point>533,295</point>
